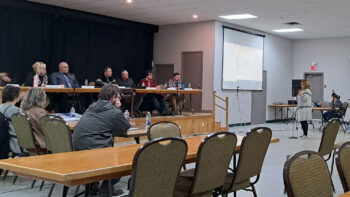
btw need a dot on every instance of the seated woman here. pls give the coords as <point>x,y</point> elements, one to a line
<point>4,79</point>
<point>10,96</point>
<point>338,106</point>
<point>33,104</point>
<point>37,78</point>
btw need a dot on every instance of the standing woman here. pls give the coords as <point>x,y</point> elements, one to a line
<point>304,106</point>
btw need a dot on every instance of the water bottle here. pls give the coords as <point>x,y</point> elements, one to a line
<point>189,85</point>
<point>127,114</point>
<point>72,110</point>
<point>182,86</point>
<point>143,84</point>
<point>149,84</point>
<point>148,120</point>
<point>86,82</point>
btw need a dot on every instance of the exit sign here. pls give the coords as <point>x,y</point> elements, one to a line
<point>313,66</point>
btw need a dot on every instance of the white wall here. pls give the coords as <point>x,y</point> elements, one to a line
<point>207,36</point>
<point>171,40</point>
<point>333,58</point>
<point>278,62</point>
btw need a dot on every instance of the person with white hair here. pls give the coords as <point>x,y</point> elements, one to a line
<point>37,78</point>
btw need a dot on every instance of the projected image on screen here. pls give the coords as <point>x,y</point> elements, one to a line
<point>242,60</point>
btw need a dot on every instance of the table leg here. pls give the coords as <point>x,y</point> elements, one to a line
<point>275,113</point>
<point>281,113</point>
<point>65,191</point>
<point>110,188</point>
<point>137,140</point>
<point>191,103</point>
<point>87,190</point>
<point>132,104</point>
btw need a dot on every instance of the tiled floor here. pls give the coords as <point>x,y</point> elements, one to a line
<point>269,185</point>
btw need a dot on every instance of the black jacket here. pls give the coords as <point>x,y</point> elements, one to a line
<point>105,80</point>
<point>99,124</point>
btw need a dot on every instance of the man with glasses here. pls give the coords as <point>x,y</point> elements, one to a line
<point>99,124</point>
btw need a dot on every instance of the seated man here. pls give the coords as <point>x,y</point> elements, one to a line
<point>338,106</point>
<point>175,99</point>
<point>107,78</point>
<point>156,99</point>
<point>63,77</point>
<point>98,126</point>
<point>4,79</point>
<point>127,82</point>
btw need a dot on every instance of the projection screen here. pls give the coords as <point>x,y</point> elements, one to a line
<point>243,54</point>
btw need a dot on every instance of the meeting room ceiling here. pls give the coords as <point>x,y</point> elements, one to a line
<point>318,18</point>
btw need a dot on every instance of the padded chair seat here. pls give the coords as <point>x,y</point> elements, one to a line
<point>184,183</point>
<point>237,186</point>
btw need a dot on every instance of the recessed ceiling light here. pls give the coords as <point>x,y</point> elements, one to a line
<point>287,30</point>
<point>238,16</point>
<point>195,16</point>
<point>129,1</point>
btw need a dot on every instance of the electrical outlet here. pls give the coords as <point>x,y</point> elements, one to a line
<point>202,124</point>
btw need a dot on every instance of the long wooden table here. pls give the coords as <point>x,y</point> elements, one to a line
<point>130,91</point>
<point>136,131</point>
<point>347,194</point>
<point>281,106</point>
<point>83,167</point>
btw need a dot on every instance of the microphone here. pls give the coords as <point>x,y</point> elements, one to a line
<point>237,88</point>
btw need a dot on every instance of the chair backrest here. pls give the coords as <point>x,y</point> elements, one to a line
<point>306,174</point>
<point>42,121</point>
<point>4,137</point>
<point>156,167</point>
<point>329,135</point>
<point>343,165</point>
<point>24,132</point>
<point>324,103</point>
<point>214,156</point>
<point>163,129</point>
<point>346,105</point>
<point>59,135</point>
<point>252,154</point>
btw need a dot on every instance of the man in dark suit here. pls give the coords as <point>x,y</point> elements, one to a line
<point>63,77</point>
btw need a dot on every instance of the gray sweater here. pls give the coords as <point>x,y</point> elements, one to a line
<point>98,125</point>
<point>9,111</point>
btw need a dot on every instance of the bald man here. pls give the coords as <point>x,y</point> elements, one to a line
<point>63,77</point>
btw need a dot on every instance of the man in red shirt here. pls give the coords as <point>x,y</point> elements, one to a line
<point>156,99</point>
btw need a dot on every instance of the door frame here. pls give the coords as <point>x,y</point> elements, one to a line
<point>317,73</point>
<point>201,75</point>
<point>264,87</point>
<point>154,70</point>
<point>182,61</point>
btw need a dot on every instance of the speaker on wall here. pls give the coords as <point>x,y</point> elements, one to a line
<point>296,86</point>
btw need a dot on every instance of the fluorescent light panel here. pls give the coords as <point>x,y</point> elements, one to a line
<point>287,30</point>
<point>238,16</point>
